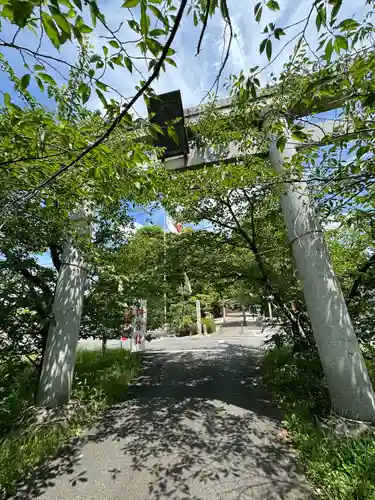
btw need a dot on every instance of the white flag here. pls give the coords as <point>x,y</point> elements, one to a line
<point>171,226</point>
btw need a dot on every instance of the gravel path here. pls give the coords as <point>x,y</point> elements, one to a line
<point>197,425</point>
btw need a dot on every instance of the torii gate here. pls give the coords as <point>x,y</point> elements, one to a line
<point>346,373</point>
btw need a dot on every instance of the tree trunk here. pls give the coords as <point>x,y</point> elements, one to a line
<point>199,318</point>
<point>244,315</point>
<point>59,357</point>
<point>343,364</point>
<point>224,314</point>
<point>104,345</point>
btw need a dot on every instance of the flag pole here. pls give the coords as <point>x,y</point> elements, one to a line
<point>165,271</point>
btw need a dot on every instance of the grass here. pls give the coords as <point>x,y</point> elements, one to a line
<point>98,382</point>
<point>341,468</point>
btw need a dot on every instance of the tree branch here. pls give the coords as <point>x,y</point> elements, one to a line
<point>32,279</point>
<point>204,26</point>
<point>362,270</point>
<point>56,252</point>
<point>225,60</point>
<point>27,158</point>
<point>36,54</point>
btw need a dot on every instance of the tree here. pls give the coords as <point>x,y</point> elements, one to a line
<point>44,222</point>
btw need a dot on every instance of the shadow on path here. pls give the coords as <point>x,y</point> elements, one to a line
<point>196,426</point>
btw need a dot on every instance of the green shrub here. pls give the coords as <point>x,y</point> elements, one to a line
<point>369,355</point>
<point>98,381</point>
<point>186,320</point>
<point>107,375</point>
<point>342,468</point>
<point>18,382</point>
<point>188,329</point>
<point>210,324</point>
<point>297,380</point>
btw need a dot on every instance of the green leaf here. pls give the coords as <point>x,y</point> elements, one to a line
<point>128,118</point>
<point>151,64</point>
<point>101,97</point>
<point>7,13</point>
<point>20,12</point>
<point>340,43</point>
<point>251,87</point>
<point>157,13</point>
<point>298,135</point>
<point>102,86</point>
<point>129,4</point>
<point>95,58</point>
<point>117,60</point>
<point>269,49</point>
<point>157,128</point>
<point>223,9</point>
<point>39,67</point>
<point>170,61</point>
<point>81,26</point>
<point>318,21</point>
<point>154,1</point>
<point>259,15</point>
<point>157,32</point>
<point>361,151</point>
<point>145,20</point>
<point>335,10</point>
<point>273,5</point>
<point>256,8</point>
<point>94,12</point>
<point>7,100</point>
<point>348,25</point>
<point>25,80</point>
<point>128,64</point>
<point>60,20</point>
<point>40,83</point>
<point>142,47</point>
<point>262,46</point>
<point>105,50</point>
<point>281,143</point>
<point>47,78</point>
<point>78,3</point>
<point>63,37</point>
<point>328,51</point>
<point>85,92</point>
<point>114,44</point>
<point>322,15</point>
<point>66,3</point>
<point>278,33</point>
<point>173,134</point>
<point>195,19</point>
<point>134,25</point>
<point>51,29</point>
<point>77,34</point>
